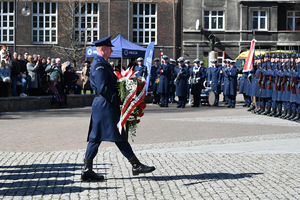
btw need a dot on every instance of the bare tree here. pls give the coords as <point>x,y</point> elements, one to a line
<point>70,46</point>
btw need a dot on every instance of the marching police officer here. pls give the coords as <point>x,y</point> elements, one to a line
<point>153,78</point>
<point>140,68</point>
<point>166,80</point>
<point>230,84</point>
<point>106,114</point>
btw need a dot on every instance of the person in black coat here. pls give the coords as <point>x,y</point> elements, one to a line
<point>166,80</point>
<point>153,78</point>
<point>106,114</point>
<point>230,84</point>
<point>181,81</point>
<point>197,79</point>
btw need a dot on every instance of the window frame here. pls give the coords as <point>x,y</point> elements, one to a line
<point>85,15</point>
<point>10,30</point>
<point>294,17</point>
<point>144,30</point>
<point>210,16</point>
<point>44,28</point>
<point>259,17</point>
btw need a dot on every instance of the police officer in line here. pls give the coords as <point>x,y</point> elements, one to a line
<point>222,69</point>
<point>230,84</point>
<point>106,114</point>
<point>197,79</point>
<point>166,80</point>
<point>274,80</point>
<point>285,97</point>
<point>140,68</point>
<point>244,88</point>
<point>181,82</point>
<point>153,78</point>
<point>255,78</point>
<point>215,80</point>
<point>190,68</point>
<point>267,91</point>
<point>173,86</point>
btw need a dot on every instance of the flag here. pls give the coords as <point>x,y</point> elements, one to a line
<point>148,62</point>
<point>249,62</point>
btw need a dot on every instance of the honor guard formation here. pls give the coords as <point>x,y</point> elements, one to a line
<point>183,80</point>
<point>272,87</point>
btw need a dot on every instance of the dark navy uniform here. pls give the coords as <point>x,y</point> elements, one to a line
<point>198,77</point>
<point>230,84</point>
<point>153,77</point>
<point>215,81</point>
<point>183,73</point>
<point>166,80</point>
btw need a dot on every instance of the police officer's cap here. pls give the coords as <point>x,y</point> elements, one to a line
<point>156,59</point>
<point>103,42</point>
<point>255,58</point>
<point>283,56</point>
<point>140,59</point>
<point>273,56</point>
<point>287,55</point>
<point>267,55</point>
<point>293,55</point>
<point>297,55</point>
<point>278,55</point>
<point>225,61</point>
<point>187,61</point>
<point>196,61</point>
<point>261,57</point>
<point>213,61</point>
<point>172,60</point>
<point>180,59</point>
<point>232,61</point>
<point>201,63</point>
<point>165,57</point>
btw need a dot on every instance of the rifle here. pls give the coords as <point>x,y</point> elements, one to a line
<point>270,83</point>
<point>293,85</point>
<point>259,80</point>
<point>282,84</point>
<point>263,82</point>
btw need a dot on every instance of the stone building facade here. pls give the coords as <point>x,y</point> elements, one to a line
<point>55,23</point>
<point>274,24</point>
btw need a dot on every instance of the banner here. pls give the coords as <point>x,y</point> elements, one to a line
<point>148,61</point>
<point>249,61</point>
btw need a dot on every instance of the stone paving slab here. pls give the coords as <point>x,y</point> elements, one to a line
<point>179,175</point>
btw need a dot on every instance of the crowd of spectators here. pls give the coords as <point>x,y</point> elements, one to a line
<point>32,75</point>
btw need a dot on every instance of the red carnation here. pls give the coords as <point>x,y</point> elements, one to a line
<point>141,114</point>
<point>139,88</point>
<point>144,83</point>
<point>142,106</point>
<point>138,121</point>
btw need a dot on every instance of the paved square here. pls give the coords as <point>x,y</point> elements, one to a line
<point>205,153</point>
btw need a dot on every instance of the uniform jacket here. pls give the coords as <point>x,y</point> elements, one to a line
<point>85,74</point>
<point>141,71</point>
<point>201,73</point>
<point>166,78</point>
<point>182,81</point>
<point>105,108</point>
<point>153,77</point>
<point>215,79</point>
<point>33,75</point>
<point>230,81</point>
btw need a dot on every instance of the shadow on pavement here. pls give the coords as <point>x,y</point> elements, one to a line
<point>206,177</point>
<point>43,179</point>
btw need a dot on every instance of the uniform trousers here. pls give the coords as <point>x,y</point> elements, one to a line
<point>156,97</point>
<point>182,101</point>
<point>286,105</point>
<point>124,147</point>
<point>277,104</point>
<point>247,99</point>
<point>294,106</point>
<point>164,99</point>
<point>196,99</point>
<point>231,100</point>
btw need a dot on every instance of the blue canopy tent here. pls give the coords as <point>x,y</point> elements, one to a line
<point>122,49</point>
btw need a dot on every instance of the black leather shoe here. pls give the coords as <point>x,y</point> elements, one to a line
<point>178,106</point>
<point>278,113</point>
<point>228,107</point>
<point>226,104</point>
<point>245,105</point>
<point>161,105</point>
<point>139,168</point>
<point>297,117</point>
<point>88,173</point>
<point>194,106</point>
<point>232,106</point>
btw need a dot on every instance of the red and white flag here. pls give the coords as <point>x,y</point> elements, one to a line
<point>249,62</point>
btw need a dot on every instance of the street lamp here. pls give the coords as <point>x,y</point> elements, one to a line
<point>25,12</point>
